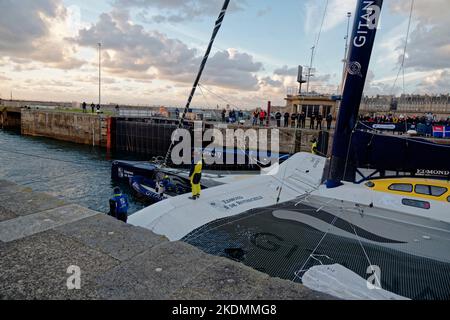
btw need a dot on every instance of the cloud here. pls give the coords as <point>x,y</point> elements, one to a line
<point>4,78</point>
<point>336,14</point>
<point>286,71</point>
<point>437,82</point>
<point>133,52</point>
<point>429,43</point>
<point>28,32</point>
<point>176,11</point>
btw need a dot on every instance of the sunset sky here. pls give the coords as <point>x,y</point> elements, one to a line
<point>152,49</point>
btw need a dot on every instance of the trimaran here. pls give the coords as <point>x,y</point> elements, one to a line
<point>402,213</point>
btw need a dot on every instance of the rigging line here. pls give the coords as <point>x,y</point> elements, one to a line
<point>43,157</point>
<point>316,44</point>
<point>52,179</point>
<point>218,96</point>
<point>314,188</point>
<point>285,170</point>
<point>317,247</point>
<point>402,65</point>
<point>217,27</point>
<point>204,97</point>
<point>365,253</point>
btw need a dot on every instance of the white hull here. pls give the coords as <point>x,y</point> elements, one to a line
<point>179,216</point>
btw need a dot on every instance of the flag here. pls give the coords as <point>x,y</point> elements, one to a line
<point>441,132</point>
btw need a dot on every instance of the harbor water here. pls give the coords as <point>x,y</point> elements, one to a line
<point>75,173</point>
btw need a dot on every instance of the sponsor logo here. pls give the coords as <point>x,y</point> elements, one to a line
<point>368,21</point>
<point>354,68</point>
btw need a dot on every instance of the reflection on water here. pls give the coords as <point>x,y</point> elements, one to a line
<point>76,173</point>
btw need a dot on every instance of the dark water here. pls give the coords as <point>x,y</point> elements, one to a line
<point>76,173</point>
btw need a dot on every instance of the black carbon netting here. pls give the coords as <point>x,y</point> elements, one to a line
<point>281,248</point>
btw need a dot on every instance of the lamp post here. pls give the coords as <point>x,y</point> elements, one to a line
<point>99,74</point>
<point>345,60</point>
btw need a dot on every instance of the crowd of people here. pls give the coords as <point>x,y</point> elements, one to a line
<point>427,119</point>
<point>298,120</point>
<point>232,116</point>
<point>94,108</point>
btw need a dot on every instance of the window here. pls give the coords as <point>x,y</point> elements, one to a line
<point>438,191</point>
<point>422,189</point>
<point>430,190</point>
<point>448,198</point>
<point>370,184</point>
<point>402,187</point>
<point>416,203</point>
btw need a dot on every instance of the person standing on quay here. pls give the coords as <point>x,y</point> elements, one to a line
<point>312,121</point>
<point>84,106</point>
<point>93,107</point>
<point>319,121</point>
<point>286,119</point>
<point>278,118</point>
<point>119,205</point>
<point>329,121</point>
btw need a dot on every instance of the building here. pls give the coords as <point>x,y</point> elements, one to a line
<point>407,104</point>
<point>309,104</point>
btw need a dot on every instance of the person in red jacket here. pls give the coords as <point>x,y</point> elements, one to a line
<point>262,117</point>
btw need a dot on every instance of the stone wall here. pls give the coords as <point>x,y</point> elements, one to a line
<point>10,118</point>
<point>291,140</point>
<point>73,127</point>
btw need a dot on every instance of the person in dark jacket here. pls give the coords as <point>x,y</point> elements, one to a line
<point>293,120</point>
<point>278,118</point>
<point>329,121</point>
<point>312,121</point>
<point>319,122</point>
<point>286,119</point>
<point>119,204</point>
<point>303,120</point>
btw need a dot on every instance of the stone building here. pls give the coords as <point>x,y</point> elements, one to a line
<point>407,104</point>
<point>309,104</point>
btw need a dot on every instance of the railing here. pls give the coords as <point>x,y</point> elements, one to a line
<point>136,113</point>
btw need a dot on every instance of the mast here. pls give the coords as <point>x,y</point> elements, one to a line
<point>362,40</point>
<point>200,72</point>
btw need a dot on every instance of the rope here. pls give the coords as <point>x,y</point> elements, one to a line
<point>296,274</point>
<point>199,75</point>
<point>402,65</point>
<point>365,253</point>
<point>42,157</point>
<point>320,31</point>
<point>218,96</point>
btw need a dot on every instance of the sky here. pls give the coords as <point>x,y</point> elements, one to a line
<point>151,50</point>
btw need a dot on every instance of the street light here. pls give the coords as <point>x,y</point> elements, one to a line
<point>99,74</point>
<point>345,60</point>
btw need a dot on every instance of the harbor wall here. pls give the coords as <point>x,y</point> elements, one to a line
<point>144,136</point>
<point>73,127</point>
<point>152,136</point>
